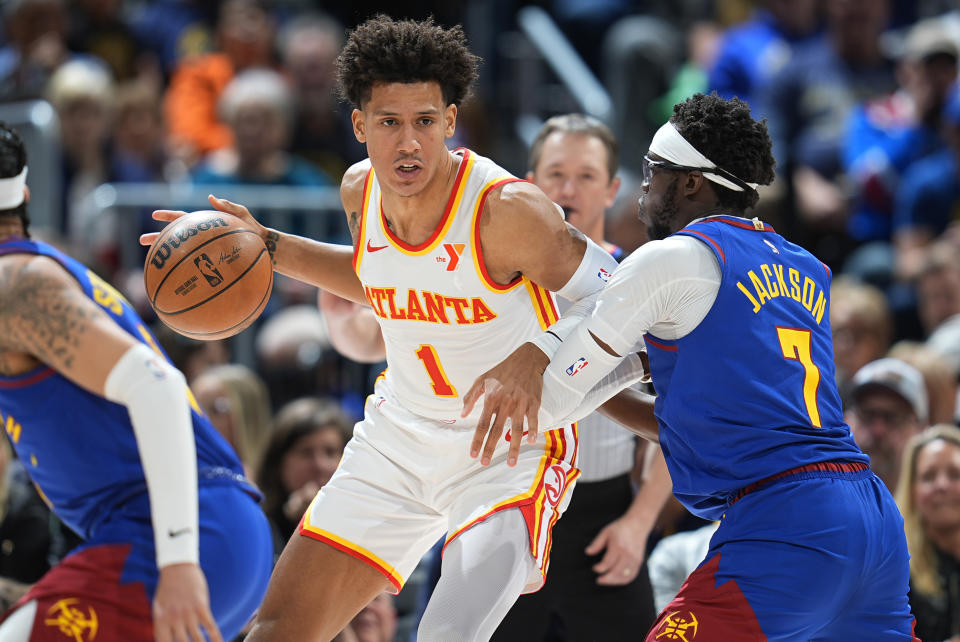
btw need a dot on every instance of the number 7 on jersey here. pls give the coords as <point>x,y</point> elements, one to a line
<point>796,346</point>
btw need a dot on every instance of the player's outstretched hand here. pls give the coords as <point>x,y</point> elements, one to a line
<point>510,390</point>
<point>221,205</point>
<point>625,542</point>
<point>181,606</point>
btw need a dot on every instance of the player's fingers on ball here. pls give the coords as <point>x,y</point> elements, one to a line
<point>149,238</point>
<point>167,215</point>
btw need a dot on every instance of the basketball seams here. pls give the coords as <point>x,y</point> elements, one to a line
<point>173,268</point>
<point>227,332</point>
<point>238,278</point>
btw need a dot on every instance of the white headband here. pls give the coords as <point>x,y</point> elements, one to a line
<point>11,190</point>
<point>669,144</point>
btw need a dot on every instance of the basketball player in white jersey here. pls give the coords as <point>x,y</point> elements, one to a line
<point>598,582</point>
<point>457,258</point>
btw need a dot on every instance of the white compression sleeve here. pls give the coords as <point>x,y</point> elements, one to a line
<point>155,394</point>
<point>582,289</point>
<point>579,367</point>
<point>626,374</point>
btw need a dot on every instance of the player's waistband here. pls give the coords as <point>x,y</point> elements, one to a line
<point>819,467</point>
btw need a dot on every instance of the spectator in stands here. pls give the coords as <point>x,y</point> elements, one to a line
<point>929,498</point>
<point>35,46</point>
<point>322,131</point>
<point>938,300</point>
<point>138,134</point>
<point>808,105</point>
<point>174,30</point>
<point>191,357</point>
<point>236,401</point>
<point>938,378</point>
<point>928,196</point>
<point>304,450</point>
<point>82,92</point>
<point>753,52</point>
<point>376,622</point>
<point>887,134</point>
<point>245,34</point>
<point>862,327</point>
<point>888,407</point>
<point>257,107</point>
<point>98,28</point>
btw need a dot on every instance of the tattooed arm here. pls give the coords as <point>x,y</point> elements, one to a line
<point>45,315</point>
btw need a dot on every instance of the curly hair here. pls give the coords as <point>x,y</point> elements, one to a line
<point>13,158</point>
<point>726,133</point>
<point>405,51</point>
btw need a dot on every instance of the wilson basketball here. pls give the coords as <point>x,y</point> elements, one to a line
<point>208,276</point>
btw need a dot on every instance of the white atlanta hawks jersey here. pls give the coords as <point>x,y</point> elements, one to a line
<point>444,320</point>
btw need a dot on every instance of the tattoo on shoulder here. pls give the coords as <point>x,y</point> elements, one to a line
<point>273,237</point>
<point>353,222</point>
<point>40,317</point>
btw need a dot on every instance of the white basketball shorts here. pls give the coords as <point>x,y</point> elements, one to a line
<point>405,480</point>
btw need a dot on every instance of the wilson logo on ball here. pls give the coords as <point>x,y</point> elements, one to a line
<point>163,252</point>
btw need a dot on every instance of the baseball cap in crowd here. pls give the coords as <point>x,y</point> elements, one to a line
<point>926,39</point>
<point>896,376</point>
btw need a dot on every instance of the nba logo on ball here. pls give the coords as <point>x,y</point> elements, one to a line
<point>234,262</point>
<point>207,269</point>
<point>577,366</point>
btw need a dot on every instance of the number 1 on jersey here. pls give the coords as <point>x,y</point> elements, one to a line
<point>438,378</point>
<point>796,346</point>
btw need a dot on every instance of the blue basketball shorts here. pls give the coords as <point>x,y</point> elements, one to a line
<point>810,556</point>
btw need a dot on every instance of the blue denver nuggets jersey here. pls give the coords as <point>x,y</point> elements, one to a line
<point>750,392</point>
<point>78,447</point>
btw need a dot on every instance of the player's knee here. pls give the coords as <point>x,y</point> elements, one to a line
<point>18,626</point>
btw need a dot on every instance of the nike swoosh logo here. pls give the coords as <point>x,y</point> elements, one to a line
<point>371,248</point>
<point>178,533</point>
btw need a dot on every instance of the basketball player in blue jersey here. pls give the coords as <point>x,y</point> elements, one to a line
<point>176,547</point>
<point>736,322</point>
<point>458,260</point>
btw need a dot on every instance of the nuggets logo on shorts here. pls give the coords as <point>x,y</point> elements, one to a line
<point>678,627</point>
<point>68,616</point>
<point>553,488</point>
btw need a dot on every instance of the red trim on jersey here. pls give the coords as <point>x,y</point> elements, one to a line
<point>448,210</point>
<point>829,276</point>
<point>712,242</point>
<point>28,380</point>
<point>657,344</point>
<point>353,553</point>
<point>747,226</point>
<point>479,247</point>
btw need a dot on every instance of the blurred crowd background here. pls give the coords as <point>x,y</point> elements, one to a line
<point>131,106</point>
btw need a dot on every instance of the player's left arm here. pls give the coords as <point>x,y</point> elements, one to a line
<point>523,233</point>
<point>44,313</point>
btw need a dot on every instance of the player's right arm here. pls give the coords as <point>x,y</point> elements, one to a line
<point>45,315</point>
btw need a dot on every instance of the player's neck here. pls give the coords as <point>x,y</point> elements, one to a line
<point>414,218</point>
<point>11,229</point>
